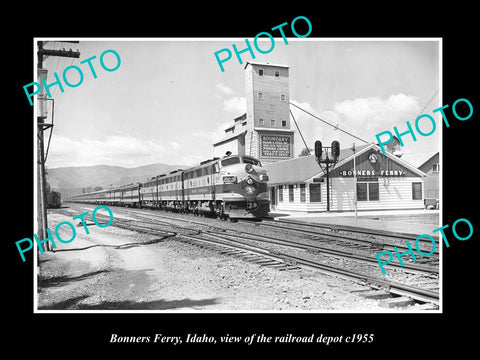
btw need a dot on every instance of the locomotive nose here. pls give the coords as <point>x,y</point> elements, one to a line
<point>256,173</point>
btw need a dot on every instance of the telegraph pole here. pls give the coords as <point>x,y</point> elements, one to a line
<point>42,54</point>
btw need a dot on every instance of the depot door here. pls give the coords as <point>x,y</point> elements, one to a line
<point>273,197</point>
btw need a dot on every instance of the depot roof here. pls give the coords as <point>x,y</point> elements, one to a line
<point>305,168</point>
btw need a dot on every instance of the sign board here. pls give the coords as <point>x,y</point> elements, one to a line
<point>277,146</point>
<point>373,173</point>
<point>42,96</point>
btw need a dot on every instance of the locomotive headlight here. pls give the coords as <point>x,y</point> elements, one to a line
<point>264,177</point>
<point>249,189</point>
<point>229,179</point>
<point>248,168</point>
<point>250,181</point>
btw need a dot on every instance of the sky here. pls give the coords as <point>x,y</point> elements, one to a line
<point>168,101</point>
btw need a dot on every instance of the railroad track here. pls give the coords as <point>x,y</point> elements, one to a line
<point>252,247</point>
<point>365,245</point>
<point>347,234</point>
<point>291,261</point>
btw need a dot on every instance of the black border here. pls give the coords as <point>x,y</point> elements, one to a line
<point>407,334</point>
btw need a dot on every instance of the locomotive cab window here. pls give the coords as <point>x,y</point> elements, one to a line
<point>231,161</point>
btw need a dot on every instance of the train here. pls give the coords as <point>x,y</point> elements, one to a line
<point>233,187</point>
<point>54,198</point>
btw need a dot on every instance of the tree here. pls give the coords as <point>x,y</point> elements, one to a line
<point>305,152</point>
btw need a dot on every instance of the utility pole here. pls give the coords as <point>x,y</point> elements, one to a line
<point>42,54</point>
<point>355,196</point>
<point>335,153</point>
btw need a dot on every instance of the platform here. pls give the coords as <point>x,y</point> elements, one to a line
<point>371,220</point>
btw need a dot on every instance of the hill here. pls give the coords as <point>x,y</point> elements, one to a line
<point>71,180</point>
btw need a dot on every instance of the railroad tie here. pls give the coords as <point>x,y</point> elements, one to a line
<point>401,301</point>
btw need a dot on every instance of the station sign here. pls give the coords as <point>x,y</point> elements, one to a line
<point>373,173</point>
<point>276,146</point>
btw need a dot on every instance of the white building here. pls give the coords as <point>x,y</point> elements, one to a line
<point>264,130</point>
<point>384,181</point>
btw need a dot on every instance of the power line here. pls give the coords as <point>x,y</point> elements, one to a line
<point>326,122</point>
<point>429,101</point>
<point>306,146</point>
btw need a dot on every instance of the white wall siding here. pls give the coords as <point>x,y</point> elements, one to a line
<point>394,193</point>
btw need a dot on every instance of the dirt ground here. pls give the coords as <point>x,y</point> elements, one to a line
<point>117,269</point>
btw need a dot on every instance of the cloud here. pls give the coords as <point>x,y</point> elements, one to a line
<point>236,105</point>
<point>174,145</point>
<point>224,89</point>
<point>362,117</point>
<point>216,133</point>
<point>374,112</point>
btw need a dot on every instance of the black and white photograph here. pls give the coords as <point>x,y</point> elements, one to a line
<point>261,188</point>
<point>228,204</point>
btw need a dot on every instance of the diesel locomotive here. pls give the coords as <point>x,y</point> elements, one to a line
<point>234,186</point>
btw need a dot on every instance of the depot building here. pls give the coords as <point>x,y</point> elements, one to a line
<point>377,181</point>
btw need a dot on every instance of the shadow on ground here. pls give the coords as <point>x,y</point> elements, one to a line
<point>121,246</point>
<point>75,304</point>
<point>63,280</point>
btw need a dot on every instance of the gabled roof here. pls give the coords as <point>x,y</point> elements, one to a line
<point>230,138</point>
<point>292,171</point>
<point>305,168</point>
<point>300,169</point>
<point>264,64</point>
<point>419,159</point>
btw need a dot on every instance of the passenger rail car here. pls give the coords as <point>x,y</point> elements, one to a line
<point>232,187</point>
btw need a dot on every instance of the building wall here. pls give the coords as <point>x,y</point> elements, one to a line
<point>251,143</point>
<point>394,193</point>
<point>236,146</point>
<point>432,181</point>
<point>269,107</point>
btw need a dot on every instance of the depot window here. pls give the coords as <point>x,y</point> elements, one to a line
<point>260,72</point>
<point>283,97</point>
<point>315,194</point>
<point>284,123</point>
<point>302,193</point>
<point>290,193</point>
<point>261,122</point>
<point>280,193</point>
<point>417,191</point>
<point>368,191</point>
<point>260,96</point>
<point>277,73</point>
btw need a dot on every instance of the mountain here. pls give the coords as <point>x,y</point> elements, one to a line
<point>70,180</point>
